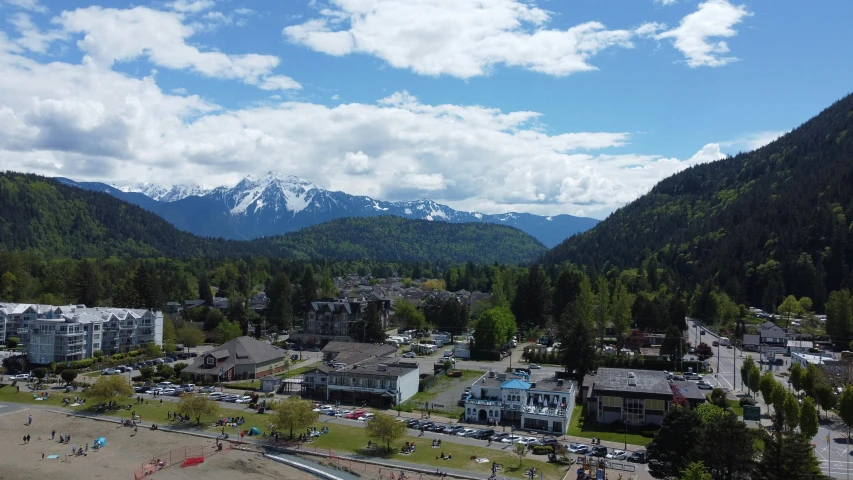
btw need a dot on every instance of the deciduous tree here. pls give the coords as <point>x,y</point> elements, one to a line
<point>669,452</point>
<point>385,429</point>
<point>796,377</point>
<point>294,414</point>
<point>196,406</point>
<point>68,375</point>
<point>110,387</point>
<point>696,471</point>
<point>809,424</point>
<point>227,331</point>
<point>407,315</point>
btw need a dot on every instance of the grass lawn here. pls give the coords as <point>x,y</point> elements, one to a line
<point>298,370</point>
<point>579,427</point>
<point>343,438</point>
<point>734,406</point>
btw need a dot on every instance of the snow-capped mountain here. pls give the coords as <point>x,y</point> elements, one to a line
<point>170,193</point>
<point>274,203</point>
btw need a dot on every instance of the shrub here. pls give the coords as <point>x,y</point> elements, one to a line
<point>542,450</point>
<point>746,401</point>
<point>648,433</point>
<point>138,378</point>
<point>118,356</point>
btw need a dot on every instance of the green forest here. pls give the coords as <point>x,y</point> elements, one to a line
<point>41,215</point>
<point>758,226</point>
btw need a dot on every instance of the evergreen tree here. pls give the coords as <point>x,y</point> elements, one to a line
<point>726,446</point>
<point>621,302</point>
<point>578,351</point>
<point>669,452</point>
<point>87,284</point>
<point>566,290</point>
<point>369,328</point>
<point>280,311</point>
<point>204,291</point>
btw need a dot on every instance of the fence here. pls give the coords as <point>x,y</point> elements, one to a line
<point>370,471</point>
<point>184,456</point>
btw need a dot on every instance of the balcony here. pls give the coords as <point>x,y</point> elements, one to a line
<point>483,403</point>
<point>545,411</point>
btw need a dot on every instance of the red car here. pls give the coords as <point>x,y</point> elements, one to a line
<point>716,343</point>
<point>455,373</point>
<point>356,414</point>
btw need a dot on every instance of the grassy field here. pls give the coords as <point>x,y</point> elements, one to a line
<point>298,370</point>
<point>579,427</point>
<point>342,438</point>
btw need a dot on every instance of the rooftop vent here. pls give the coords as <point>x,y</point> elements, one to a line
<point>533,385</point>
<point>491,374</point>
<point>632,380</point>
<point>382,367</point>
<point>560,382</point>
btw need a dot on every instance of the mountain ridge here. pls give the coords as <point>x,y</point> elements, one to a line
<point>275,203</point>
<point>55,219</point>
<point>758,226</point>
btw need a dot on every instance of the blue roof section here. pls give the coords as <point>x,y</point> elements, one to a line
<point>516,384</point>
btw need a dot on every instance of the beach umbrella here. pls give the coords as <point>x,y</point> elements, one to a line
<point>254,431</point>
<point>100,442</point>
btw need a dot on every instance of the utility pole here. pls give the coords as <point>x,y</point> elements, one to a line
<point>718,364</point>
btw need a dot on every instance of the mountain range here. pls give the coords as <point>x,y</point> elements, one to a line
<point>46,217</point>
<point>272,204</point>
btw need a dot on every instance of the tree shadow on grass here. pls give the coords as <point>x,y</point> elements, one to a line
<point>376,452</point>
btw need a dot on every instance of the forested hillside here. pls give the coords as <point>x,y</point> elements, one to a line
<point>400,239</point>
<point>760,225</point>
<point>42,215</point>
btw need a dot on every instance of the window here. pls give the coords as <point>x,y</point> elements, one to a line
<point>655,405</point>
<point>633,411</point>
<point>611,402</point>
<point>209,361</point>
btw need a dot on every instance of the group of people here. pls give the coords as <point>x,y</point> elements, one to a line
<point>408,448</point>
<point>436,443</point>
<point>177,416</point>
<point>316,433</point>
<point>596,441</point>
<point>445,457</point>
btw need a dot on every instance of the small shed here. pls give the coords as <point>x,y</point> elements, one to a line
<point>270,383</point>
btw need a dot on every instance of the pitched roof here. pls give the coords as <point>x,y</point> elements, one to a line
<point>243,351</point>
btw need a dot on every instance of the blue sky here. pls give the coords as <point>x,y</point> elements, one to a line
<point>540,106</point>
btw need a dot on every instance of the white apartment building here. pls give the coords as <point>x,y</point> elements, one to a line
<point>73,332</point>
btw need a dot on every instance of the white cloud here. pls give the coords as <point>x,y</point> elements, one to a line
<point>191,6</point>
<point>753,141</point>
<point>113,35</point>
<point>244,11</point>
<point>461,38</point>
<point>693,37</point>
<point>279,82</point>
<point>666,3</point>
<point>88,122</point>
<point>31,37</point>
<point>31,5</point>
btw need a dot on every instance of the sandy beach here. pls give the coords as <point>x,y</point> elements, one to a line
<point>123,453</point>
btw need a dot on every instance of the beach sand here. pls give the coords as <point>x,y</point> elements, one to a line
<point>124,452</point>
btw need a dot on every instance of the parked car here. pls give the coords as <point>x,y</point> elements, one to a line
<point>527,441</point>
<point>410,355</point>
<point>578,448</point>
<point>108,371</point>
<point>455,373</point>
<point>548,441</point>
<point>215,395</point>
<point>356,414</point>
<point>598,451</point>
<point>499,436</point>
<point>703,385</point>
<point>465,432</point>
<point>483,434</point>
<point>365,417</point>
<point>169,391</point>
<point>206,390</point>
<point>533,366</point>
<point>453,430</point>
<point>243,399</point>
<point>617,455</point>
<point>511,439</point>
<point>314,349</point>
<point>142,389</point>
<point>638,457</point>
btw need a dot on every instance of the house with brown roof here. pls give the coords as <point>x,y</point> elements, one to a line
<point>240,359</point>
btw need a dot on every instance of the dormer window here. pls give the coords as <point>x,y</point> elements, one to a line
<point>210,361</point>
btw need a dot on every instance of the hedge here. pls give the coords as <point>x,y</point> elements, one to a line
<point>542,450</point>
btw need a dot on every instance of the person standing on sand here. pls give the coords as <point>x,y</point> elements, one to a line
<point>28,438</point>
<point>52,434</point>
<point>30,420</point>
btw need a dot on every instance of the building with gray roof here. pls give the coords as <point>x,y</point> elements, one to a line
<point>240,359</point>
<point>637,397</point>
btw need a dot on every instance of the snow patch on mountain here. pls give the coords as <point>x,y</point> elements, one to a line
<point>165,193</point>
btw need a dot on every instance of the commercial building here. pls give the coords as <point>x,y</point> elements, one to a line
<point>243,358</point>
<point>362,374</point>
<point>636,397</point>
<point>543,405</point>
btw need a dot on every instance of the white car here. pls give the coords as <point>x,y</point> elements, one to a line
<point>578,448</point>
<point>169,391</point>
<point>365,417</point>
<point>22,376</point>
<point>216,395</point>
<point>527,440</point>
<point>343,413</point>
<point>243,399</point>
<point>410,355</point>
<point>533,366</point>
<point>464,432</point>
<point>617,455</point>
<point>109,371</point>
<point>512,439</point>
